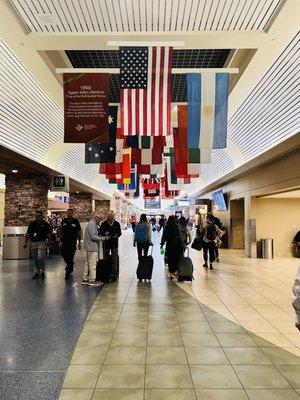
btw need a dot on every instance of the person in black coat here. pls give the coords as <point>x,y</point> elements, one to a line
<point>111,229</point>
<point>174,244</point>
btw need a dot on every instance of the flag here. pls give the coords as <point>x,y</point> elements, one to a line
<point>150,193</point>
<point>146,90</point>
<point>131,186</point>
<point>146,142</point>
<point>149,161</point>
<point>207,111</point>
<point>100,153</point>
<point>104,152</point>
<point>150,183</point>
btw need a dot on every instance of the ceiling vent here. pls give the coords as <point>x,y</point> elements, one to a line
<point>46,19</point>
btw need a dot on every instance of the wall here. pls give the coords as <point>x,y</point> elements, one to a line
<point>237,218</point>
<point>278,219</point>
<point>277,175</point>
<point>82,203</point>
<point>24,195</point>
<point>2,195</point>
<point>102,206</point>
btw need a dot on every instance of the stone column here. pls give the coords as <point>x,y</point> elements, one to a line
<point>102,206</point>
<point>24,195</point>
<point>82,203</point>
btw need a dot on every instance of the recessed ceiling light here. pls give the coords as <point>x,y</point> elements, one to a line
<point>14,171</point>
<point>77,191</point>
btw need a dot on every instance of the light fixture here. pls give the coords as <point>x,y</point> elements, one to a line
<point>77,191</point>
<point>14,171</point>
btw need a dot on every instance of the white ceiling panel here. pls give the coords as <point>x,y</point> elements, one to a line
<point>145,15</point>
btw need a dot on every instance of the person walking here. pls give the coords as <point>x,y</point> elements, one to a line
<point>70,233</point>
<point>143,236</point>
<point>161,223</point>
<point>91,246</point>
<point>111,230</point>
<point>218,241</point>
<point>184,231</point>
<point>38,233</point>
<point>174,244</point>
<point>209,232</point>
<point>296,301</point>
<point>133,222</point>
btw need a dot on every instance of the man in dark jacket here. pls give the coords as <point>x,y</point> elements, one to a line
<point>111,229</point>
<point>70,233</point>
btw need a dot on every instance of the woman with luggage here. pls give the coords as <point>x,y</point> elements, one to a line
<point>174,244</point>
<point>143,236</point>
<point>209,232</point>
<point>184,231</point>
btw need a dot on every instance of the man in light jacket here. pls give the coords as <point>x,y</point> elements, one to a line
<point>91,245</point>
<point>296,302</point>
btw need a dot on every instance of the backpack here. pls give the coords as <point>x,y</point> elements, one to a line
<point>183,233</point>
<point>211,232</point>
<point>141,233</point>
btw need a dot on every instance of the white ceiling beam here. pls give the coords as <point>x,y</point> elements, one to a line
<point>192,40</point>
<point>119,43</point>
<point>117,70</point>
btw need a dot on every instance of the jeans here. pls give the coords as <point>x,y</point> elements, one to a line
<point>38,252</point>
<point>90,266</point>
<point>68,252</point>
<point>142,248</point>
<point>209,247</point>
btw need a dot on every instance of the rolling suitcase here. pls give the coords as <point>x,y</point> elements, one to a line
<point>185,268</point>
<point>145,267</point>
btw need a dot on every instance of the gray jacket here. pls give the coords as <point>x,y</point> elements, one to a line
<point>91,237</point>
<point>296,302</point>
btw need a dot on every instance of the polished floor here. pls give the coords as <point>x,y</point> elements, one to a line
<point>229,335</point>
<point>40,323</point>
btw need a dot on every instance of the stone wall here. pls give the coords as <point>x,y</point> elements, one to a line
<point>82,203</point>
<point>102,206</point>
<point>24,195</point>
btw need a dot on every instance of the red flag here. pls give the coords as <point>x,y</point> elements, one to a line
<point>146,91</point>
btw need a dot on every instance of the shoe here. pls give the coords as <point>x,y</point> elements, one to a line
<point>218,260</point>
<point>205,266</point>
<point>95,283</point>
<point>36,275</point>
<point>83,282</point>
<point>43,275</point>
<point>140,280</point>
<point>211,266</point>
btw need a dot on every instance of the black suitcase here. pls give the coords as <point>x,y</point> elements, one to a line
<point>185,269</point>
<point>145,267</point>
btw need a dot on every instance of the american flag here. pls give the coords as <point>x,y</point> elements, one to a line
<point>146,90</point>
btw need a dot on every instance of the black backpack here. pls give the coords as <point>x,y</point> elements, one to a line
<point>211,232</point>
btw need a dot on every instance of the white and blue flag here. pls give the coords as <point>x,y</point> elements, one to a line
<point>207,110</point>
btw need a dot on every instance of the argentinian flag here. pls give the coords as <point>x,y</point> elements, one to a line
<point>207,112</point>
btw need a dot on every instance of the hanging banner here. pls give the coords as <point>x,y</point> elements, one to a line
<point>86,108</point>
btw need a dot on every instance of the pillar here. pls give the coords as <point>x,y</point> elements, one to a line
<point>24,196</point>
<point>102,206</point>
<point>82,203</point>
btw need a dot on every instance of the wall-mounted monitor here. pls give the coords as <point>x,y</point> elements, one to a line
<point>183,203</point>
<point>219,200</point>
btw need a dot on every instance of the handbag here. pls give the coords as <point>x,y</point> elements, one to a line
<point>197,244</point>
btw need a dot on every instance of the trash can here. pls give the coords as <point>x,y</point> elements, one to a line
<point>267,248</point>
<point>13,241</point>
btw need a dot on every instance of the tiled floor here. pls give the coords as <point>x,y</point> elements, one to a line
<point>155,341</point>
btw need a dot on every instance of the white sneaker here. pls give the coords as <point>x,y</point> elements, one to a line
<point>83,282</point>
<point>95,283</point>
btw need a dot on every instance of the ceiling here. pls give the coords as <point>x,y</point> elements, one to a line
<point>142,15</point>
<point>260,37</point>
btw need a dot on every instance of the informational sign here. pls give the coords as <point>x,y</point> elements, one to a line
<point>59,183</point>
<point>86,108</point>
<point>62,199</point>
<point>152,204</point>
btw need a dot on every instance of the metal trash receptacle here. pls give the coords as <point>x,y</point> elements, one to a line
<point>267,248</point>
<point>13,241</point>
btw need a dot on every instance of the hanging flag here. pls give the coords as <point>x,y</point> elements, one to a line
<point>129,187</point>
<point>146,90</point>
<point>100,153</point>
<point>85,107</point>
<point>150,183</point>
<point>207,111</point>
<point>146,142</point>
<point>151,193</point>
